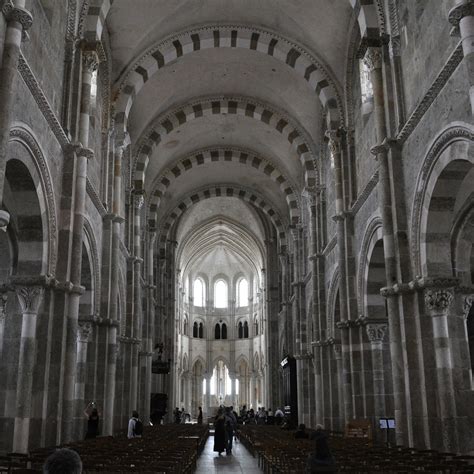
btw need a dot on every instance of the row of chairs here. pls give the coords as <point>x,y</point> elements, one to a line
<point>161,449</point>
<point>279,452</point>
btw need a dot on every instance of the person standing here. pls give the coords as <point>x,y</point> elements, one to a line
<point>200,416</point>
<point>230,425</point>
<point>219,432</point>
<point>92,415</point>
<point>135,426</point>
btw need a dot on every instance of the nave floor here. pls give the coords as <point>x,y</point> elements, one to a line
<point>240,461</point>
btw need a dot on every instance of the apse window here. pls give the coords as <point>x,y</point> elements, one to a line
<point>242,293</point>
<point>220,294</point>
<point>198,292</point>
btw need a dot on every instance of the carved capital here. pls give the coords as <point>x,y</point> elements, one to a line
<point>84,331</point>
<point>4,220</point>
<point>438,300</point>
<point>3,303</point>
<point>138,200</point>
<point>373,58</point>
<point>337,348</point>
<point>90,60</point>
<point>85,152</point>
<point>334,141</point>
<point>17,14</point>
<point>30,298</point>
<point>376,331</point>
<point>466,305</point>
<point>456,14</point>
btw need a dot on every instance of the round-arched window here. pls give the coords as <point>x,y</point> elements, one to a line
<point>242,293</point>
<point>198,292</point>
<point>220,294</point>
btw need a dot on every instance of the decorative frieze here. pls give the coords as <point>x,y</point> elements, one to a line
<point>18,15</point>
<point>463,9</point>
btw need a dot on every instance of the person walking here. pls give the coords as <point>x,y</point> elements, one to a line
<point>230,425</point>
<point>92,415</point>
<point>135,426</point>
<point>219,432</point>
<point>200,416</point>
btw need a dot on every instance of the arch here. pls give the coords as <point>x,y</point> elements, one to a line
<point>93,16</point>
<point>89,237</point>
<point>240,330</point>
<point>372,233</point>
<point>195,329</point>
<point>87,299</point>
<point>371,19</point>
<point>452,144</point>
<point>41,176</point>
<point>259,40</point>
<point>211,155</point>
<point>217,331</point>
<point>277,120</point>
<point>27,226</point>
<point>462,244</point>
<point>246,330</point>
<point>199,360</point>
<point>333,301</point>
<point>224,190</point>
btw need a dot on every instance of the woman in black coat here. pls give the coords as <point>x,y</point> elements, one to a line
<point>219,432</point>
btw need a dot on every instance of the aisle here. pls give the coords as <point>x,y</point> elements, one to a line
<point>240,461</point>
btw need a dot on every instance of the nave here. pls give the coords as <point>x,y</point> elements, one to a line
<point>259,203</point>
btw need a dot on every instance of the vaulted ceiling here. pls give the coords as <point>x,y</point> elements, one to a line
<point>230,94</point>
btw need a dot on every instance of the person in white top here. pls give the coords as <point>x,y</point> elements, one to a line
<point>135,426</point>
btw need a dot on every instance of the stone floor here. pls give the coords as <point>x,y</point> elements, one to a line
<point>240,461</point>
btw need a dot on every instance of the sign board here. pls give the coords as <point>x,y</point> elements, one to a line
<point>387,423</point>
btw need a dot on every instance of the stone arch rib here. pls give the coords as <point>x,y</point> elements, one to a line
<point>96,12</point>
<point>244,37</point>
<point>224,154</point>
<point>219,191</point>
<point>164,125</point>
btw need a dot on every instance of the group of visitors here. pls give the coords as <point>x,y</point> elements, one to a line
<point>261,416</point>
<point>180,416</point>
<point>135,425</point>
<point>225,424</point>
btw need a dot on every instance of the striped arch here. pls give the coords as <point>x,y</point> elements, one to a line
<point>219,191</point>
<point>96,12</point>
<point>244,37</point>
<point>448,160</point>
<point>369,14</point>
<point>366,11</point>
<point>242,106</point>
<point>236,155</point>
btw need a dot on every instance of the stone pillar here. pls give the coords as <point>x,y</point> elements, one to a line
<point>376,333</point>
<point>208,395</point>
<point>117,220</point>
<point>3,303</point>
<point>438,302</point>
<point>232,376</point>
<point>84,333</point>
<point>340,383</point>
<point>373,60</point>
<point>253,384</point>
<point>18,21</point>
<point>334,137</point>
<point>462,18</point>
<point>30,298</point>
<point>82,155</point>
